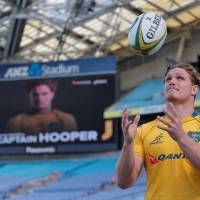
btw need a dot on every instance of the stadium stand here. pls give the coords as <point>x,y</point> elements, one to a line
<point>83,178</point>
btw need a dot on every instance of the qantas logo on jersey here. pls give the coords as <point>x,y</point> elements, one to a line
<point>153,159</point>
<point>163,157</point>
<point>195,136</point>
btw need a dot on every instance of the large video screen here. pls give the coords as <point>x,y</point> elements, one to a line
<point>57,114</point>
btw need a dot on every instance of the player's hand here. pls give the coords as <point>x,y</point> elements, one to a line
<point>174,126</point>
<point>129,127</point>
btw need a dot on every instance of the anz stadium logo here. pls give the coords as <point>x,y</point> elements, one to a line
<point>37,69</point>
<point>24,71</point>
<point>14,72</point>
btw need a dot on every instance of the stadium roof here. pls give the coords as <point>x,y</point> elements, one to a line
<point>45,30</point>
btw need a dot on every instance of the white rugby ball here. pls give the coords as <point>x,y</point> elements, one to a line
<point>147,33</point>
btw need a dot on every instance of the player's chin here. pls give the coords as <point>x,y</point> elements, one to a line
<point>172,98</point>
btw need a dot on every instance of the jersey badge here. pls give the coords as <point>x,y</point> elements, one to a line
<point>194,135</point>
<point>158,139</point>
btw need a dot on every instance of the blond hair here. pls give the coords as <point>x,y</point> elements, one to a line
<point>194,74</point>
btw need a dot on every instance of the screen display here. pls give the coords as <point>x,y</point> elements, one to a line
<point>57,114</point>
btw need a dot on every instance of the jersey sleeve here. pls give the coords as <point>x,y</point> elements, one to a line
<point>138,143</point>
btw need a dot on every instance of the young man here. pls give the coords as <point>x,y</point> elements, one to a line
<point>42,117</point>
<point>169,146</point>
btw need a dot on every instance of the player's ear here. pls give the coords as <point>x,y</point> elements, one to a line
<point>195,90</point>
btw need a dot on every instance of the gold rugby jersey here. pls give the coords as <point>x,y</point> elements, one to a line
<point>170,175</point>
<point>53,121</point>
